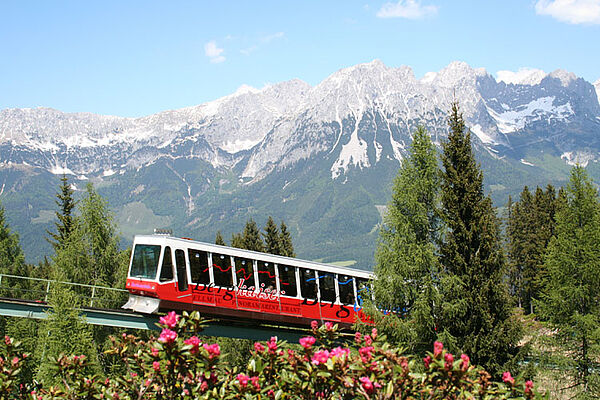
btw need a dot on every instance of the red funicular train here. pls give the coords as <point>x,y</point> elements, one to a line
<point>168,273</point>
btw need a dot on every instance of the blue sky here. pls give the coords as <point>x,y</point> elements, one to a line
<point>133,58</point>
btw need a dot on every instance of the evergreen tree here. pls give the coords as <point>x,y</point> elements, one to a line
<point>66,221</point>
<point>237,240</point>
<point>530,227</point>
<point>571,301</point>
<point>63,332</point>
<point>11,255</point>
<point>272,237</point>
<point>406,265</point>
<point>251,236</point>
<point>286,247</point>
<point>219,239</point>
<point>476,314</point>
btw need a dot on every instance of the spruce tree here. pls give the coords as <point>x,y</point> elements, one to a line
<point>66,220</point>
<point>237,241</point>
<point>219,239</point>
<point>286,247</point>
<point>272,237</point>
<point>252,239</point>
<point>571,299</point>
<point>475,310</point>
<point>63,332</point>
<point>11,254</point>
<point>406,262</point>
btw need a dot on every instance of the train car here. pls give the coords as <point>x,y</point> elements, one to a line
<point>169,273</point>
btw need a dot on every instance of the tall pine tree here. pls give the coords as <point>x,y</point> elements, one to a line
<point>219,239</point>
<point>571,300</point>
<point>476,313</point>
<point>272,237</point>
<point>237,240</point>
<point>407,265</point>
<point>11,255</point>
<point>286,247</point>
<point>251,236</point>
<point>66,220</point>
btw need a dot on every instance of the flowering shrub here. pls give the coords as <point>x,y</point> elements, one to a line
<point>177,365</point>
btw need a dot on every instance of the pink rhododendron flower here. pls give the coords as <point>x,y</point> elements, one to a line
<point>254,381</point>
<point>307,342</point>
<point>449,359</point>
<point>7,340</point>
<point>366,384</point>
<point>156,366</point>
<point>374,333</point>
<point>528,387</point>
<point>357,337</point>
<point>365,353</point>
<point>272,345</point>
<point>314,325</point>
<point>437,349</point>
<point>213,350</point>
<point>194,342</point>
<point>464,365</point>
<point>328,325</point>
<point>167,336</point>
<point>243,380</point>
<point>154,352</point>
<point>170,319</point>
<point>259,347</point>
<point>320,357</point>
<point>427,361</point>
<point>15,361</point>
<point>507,378</point>
<point>340,353</point>
<point>368,340</point>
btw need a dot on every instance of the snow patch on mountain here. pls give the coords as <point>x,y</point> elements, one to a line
<point>353,153</point>
<point>484,137</point>
<point>597,87</point>
<point>578,157</point>
<point>543,107</point>
<point>524,76</point>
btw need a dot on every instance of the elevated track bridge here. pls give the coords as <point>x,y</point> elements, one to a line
<point>27,297</point>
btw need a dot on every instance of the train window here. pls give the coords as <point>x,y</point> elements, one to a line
<point>199,266</point>
<point>346,289</point>
<point>182,282</point>
<point>326,286</point>
<point>287,280</point>
<point>266,275</point>
<point>145,261</point>
<point>166,270</point>
<point>222,270</point>
<point>308,284</point>
<point>244,270</point>
<point>363,288</point>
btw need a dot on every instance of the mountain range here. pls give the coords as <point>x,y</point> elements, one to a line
<point>322,158</point>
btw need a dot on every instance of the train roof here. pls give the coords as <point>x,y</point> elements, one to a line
<point>215,248</point>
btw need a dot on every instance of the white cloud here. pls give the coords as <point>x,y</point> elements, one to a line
<point>524,76</point>
<point>213,52</point>
<point>570,11</point>
<point>411,9</point>
<point>269,38</point>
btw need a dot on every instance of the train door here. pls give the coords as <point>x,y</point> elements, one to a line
<point>269,301</point>
<point>329,296</point>
<point>181,268</point>
<point>200,277</point>
<point>288,290</point>
<point>247,294</point>
<point>223,279</point>
<point>309,293</point>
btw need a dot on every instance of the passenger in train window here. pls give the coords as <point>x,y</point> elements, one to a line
<point>266,276</point>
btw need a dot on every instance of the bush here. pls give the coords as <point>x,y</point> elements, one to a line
<point>178,365</point>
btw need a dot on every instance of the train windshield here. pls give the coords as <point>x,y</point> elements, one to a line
<point>145,261</point>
